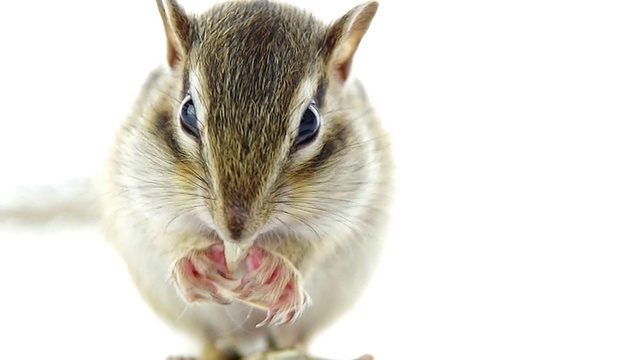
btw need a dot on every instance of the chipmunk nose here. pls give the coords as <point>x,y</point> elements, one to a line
<point>236,218</point>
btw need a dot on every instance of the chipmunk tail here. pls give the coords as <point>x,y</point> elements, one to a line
<point>73,204</point>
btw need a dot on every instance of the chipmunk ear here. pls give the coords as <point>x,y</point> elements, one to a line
<point>177,28</point>
<point>344,36</point>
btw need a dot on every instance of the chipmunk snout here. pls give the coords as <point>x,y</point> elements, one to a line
<point>237,218</point>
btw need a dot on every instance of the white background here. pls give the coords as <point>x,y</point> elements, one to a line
<point>517,139</point>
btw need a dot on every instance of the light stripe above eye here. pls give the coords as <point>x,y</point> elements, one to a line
<point>195,90</point>
<point>305,93</point>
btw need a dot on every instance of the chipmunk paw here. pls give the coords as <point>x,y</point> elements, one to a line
<point>274,284</point>
<point>202,274</point>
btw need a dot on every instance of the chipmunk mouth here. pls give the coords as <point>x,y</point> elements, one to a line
<point>234,253</point>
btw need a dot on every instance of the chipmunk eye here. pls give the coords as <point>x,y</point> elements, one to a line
<point>309,125</point>
<point>188,118</point>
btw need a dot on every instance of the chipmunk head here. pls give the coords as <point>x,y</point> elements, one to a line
<point>258,123</point>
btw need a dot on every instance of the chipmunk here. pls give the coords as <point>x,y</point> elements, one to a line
<point>248,190</point>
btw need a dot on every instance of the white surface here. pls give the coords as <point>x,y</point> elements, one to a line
<point>517,139</point>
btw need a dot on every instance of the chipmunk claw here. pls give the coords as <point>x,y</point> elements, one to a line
<point>277,318</point>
